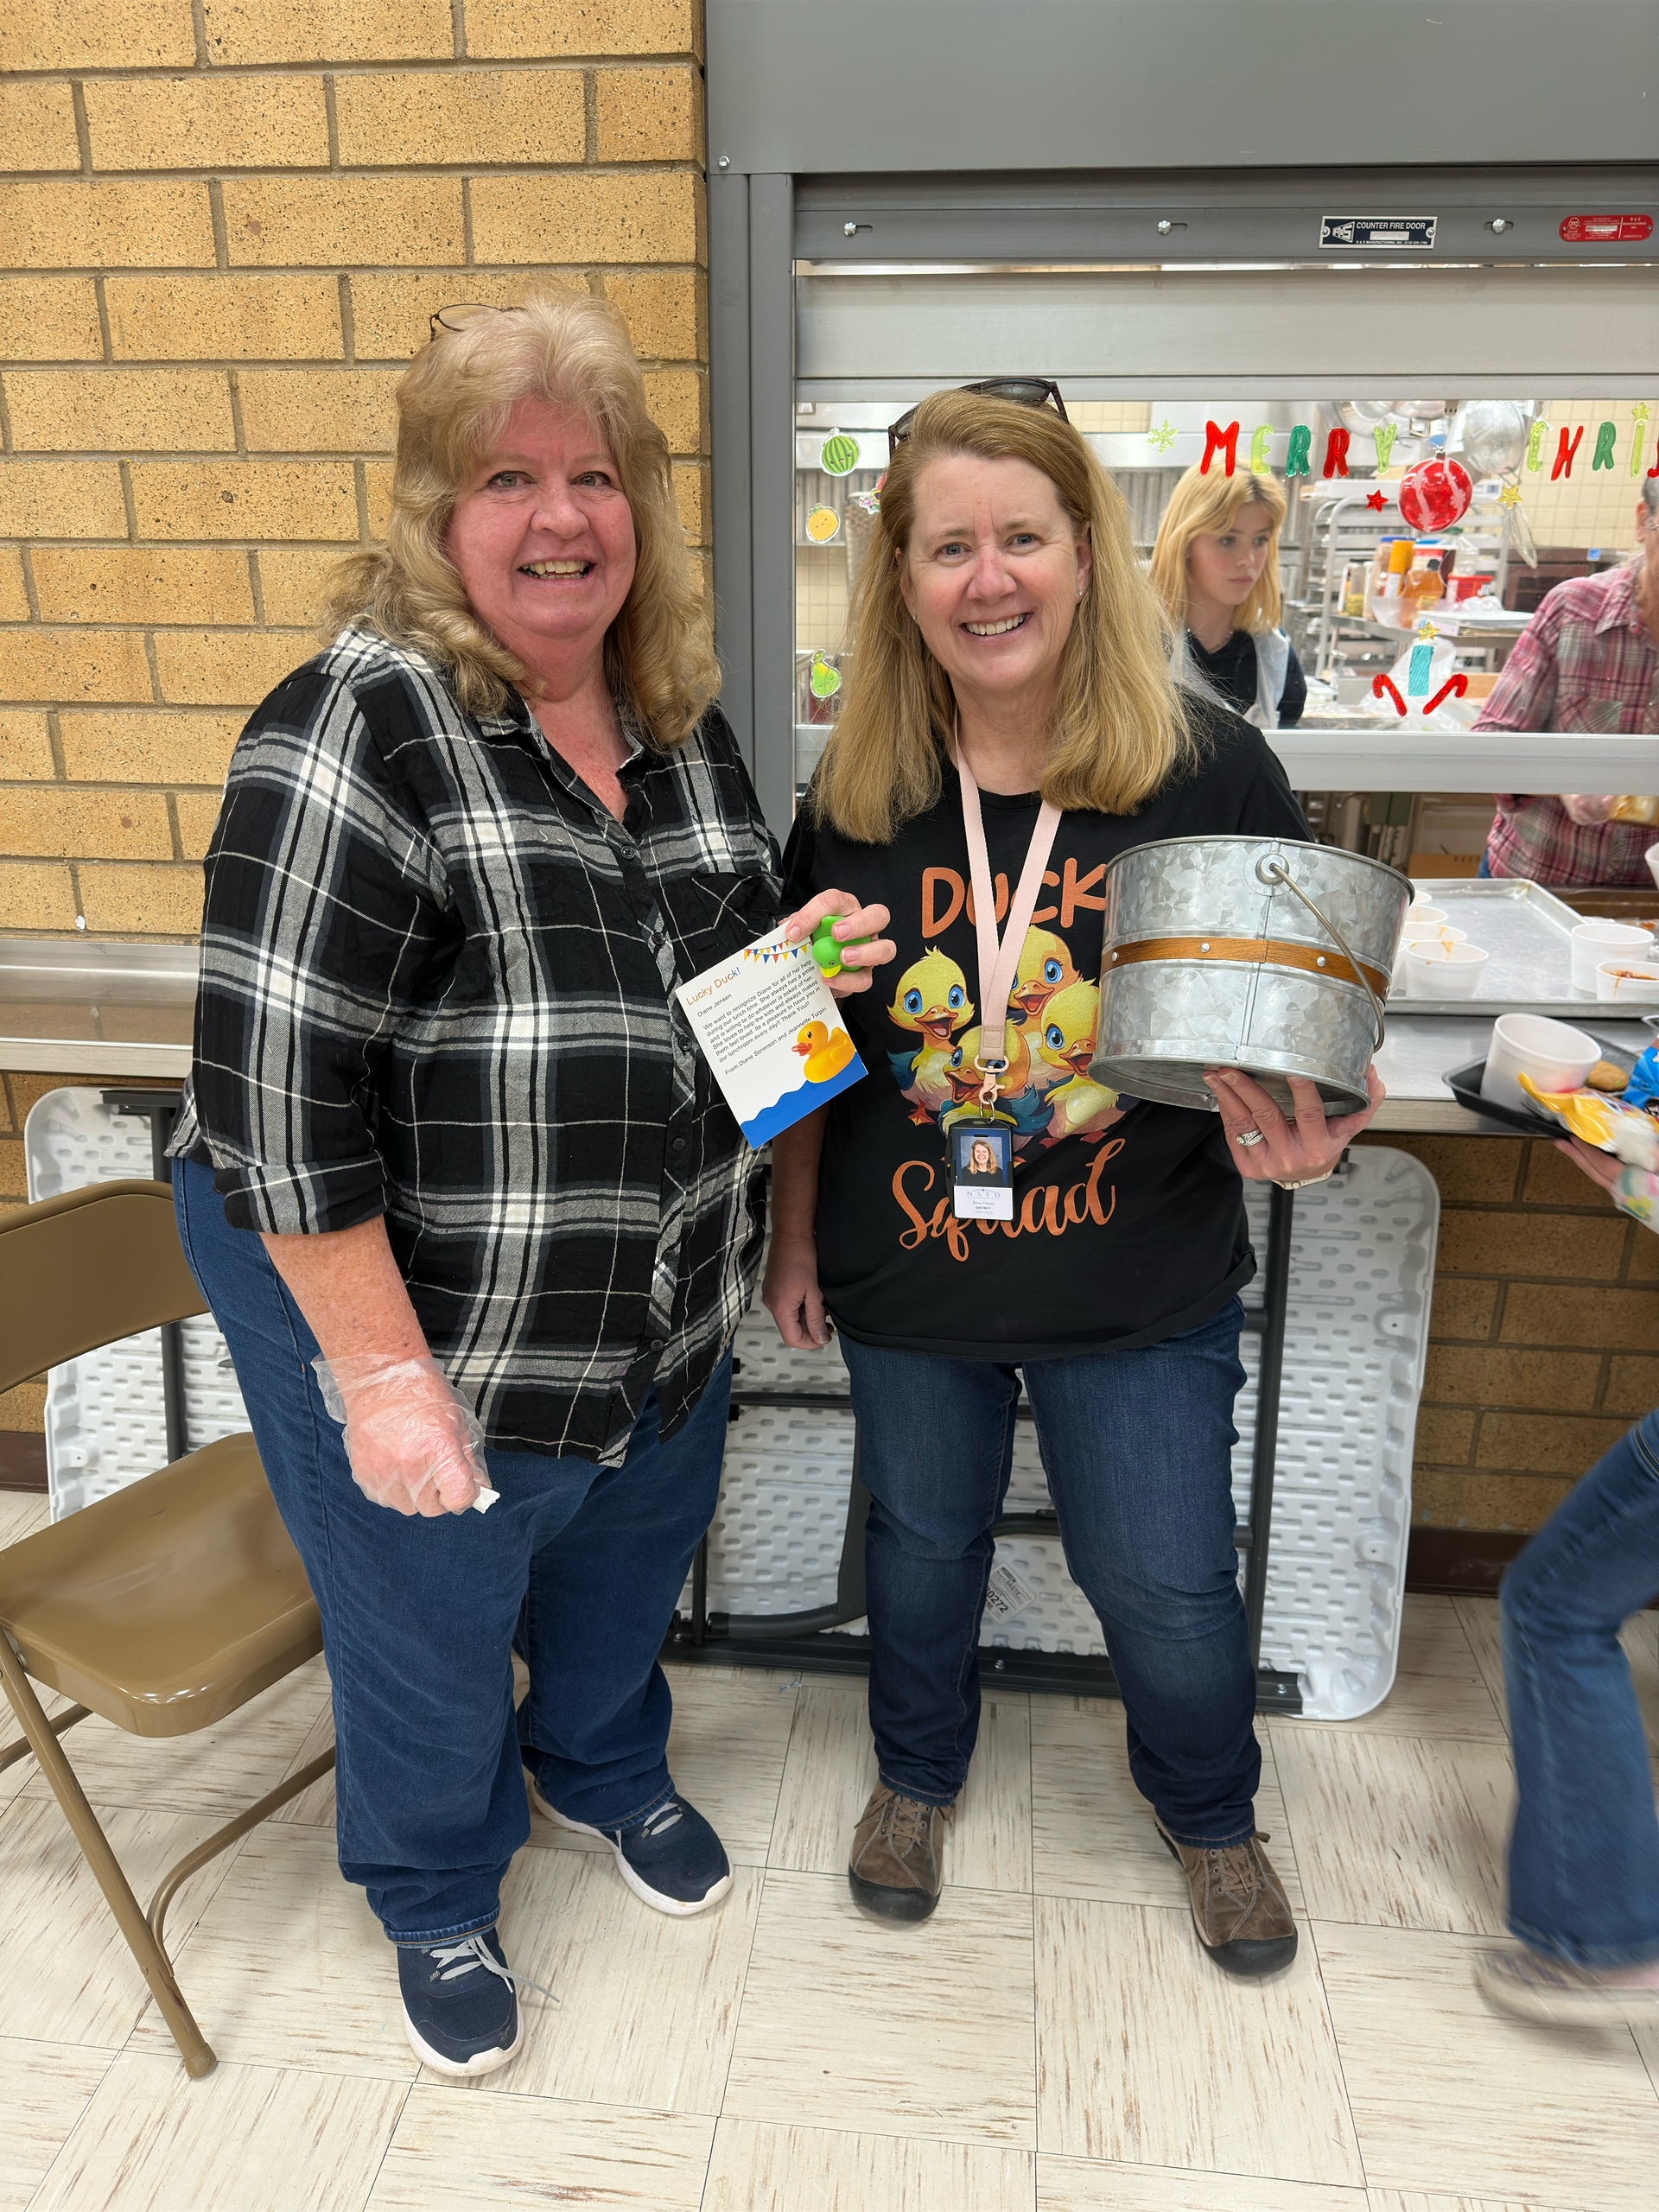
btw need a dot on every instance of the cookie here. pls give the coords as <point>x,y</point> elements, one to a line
<point>1606,1077</point>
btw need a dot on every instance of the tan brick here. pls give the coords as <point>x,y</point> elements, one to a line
<point>49,318</point>
<point>71,664</point>
<point>377,475</point>
<point>581,219</point>
<point>689,489</point>
<point>1643,1264</point>
<point>197,812</point>
<point>245,500</point>
<point>120,410</point>
<point>67,825</point>
<point>143,901</point>
<point>14,595</point>
<point>14,1184</point>
<point>295,585</point>
<point>1444,1436</point>
<point>37,127</point>
<point>228,318</point>
<point>1467,1171</point>
<point>649,115</point>
<point>1480,1243</point>
<point>1632,1387</point>
<point>243,31</point>
<point>97,222</point>
<point>1552,1179</point>
<point>131,583</point>
<point>61,498</point>
<point>334,221</point>
<point>526,29</point>
<point>664,312</point>
<point>96,34</point>
<point>1544,1443</point>
<point>476,118</point>
<point>1450,1498</point>
<point>1562,1380</point>
<point>1462,1310</point>
<point>24,1408</point>
<point>226,668</point>
<point>208,123</point>
<point>34,898</point>
<point>320,410</point>
<point>1555,1313</point>
<point>148,748</point>
<point>25,748</point>
<point>675,398</point>
<point>392,311</point>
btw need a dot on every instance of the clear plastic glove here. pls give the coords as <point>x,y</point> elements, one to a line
<point>413,1443</point>
<point>1588,808</point>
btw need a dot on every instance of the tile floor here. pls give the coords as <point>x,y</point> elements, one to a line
<point>1051,2040</point>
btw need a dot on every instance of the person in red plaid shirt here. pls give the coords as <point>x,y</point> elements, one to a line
<point>1589,660</point>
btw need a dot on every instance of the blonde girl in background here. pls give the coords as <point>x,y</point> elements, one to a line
<point>1216,569</point>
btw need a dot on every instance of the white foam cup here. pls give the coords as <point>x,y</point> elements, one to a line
<point>1552,1054</point>
<point>1596,941</point>
<point>1416,912</point>
<point>1651,856</point>
<point>1627,979</point>
<point>1434,970</point>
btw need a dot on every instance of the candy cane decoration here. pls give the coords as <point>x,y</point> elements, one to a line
<point>1382,684</point>
<point>1457,683</point>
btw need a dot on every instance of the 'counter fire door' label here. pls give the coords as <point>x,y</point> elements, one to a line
<point>1411,231</point>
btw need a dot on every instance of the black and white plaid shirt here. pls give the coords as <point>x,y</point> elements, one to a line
<point>436,983</point>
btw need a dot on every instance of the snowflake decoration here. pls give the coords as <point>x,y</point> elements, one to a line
<point>1163,436</point>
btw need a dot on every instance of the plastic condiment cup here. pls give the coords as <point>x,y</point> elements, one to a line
<point>1552,1054</point>
<point>1627,979</point>
<point>1596,941</point>
<point>1443,971</point>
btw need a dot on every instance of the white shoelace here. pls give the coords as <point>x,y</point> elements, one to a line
<point>456,1960</point>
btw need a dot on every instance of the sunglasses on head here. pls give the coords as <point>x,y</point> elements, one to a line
<point>1024,391</point>
<point>463,315</point>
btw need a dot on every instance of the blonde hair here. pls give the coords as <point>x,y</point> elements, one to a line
<point>571,350</point>
<point>1199,504</point>
<point>1118,731</point>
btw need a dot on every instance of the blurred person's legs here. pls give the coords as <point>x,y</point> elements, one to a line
<point>1583,1853</point>
<point>419,1619</point>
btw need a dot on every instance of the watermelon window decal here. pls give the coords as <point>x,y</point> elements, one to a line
<point>839,455</point>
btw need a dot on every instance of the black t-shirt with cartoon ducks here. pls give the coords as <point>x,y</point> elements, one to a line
<point>1128,1218</point>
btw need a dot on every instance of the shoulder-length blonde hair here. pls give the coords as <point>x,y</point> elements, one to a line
<point>572,349</point>
<point>1118,731</point>
<point>1201,503</point>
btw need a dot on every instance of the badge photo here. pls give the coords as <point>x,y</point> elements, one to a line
<point>982,1171</point>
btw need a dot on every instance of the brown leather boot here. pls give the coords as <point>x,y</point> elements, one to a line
<point>894,1869</point>
<point>1239,1906</point>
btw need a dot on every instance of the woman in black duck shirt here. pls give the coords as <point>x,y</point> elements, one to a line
<point>1001,627</point>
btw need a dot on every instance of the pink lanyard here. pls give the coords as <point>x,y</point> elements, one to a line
<point>997,963</point>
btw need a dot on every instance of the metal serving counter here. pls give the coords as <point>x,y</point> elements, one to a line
<point>72,1006</point>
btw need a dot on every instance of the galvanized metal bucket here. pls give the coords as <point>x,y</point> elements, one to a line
<point>1256,953</point>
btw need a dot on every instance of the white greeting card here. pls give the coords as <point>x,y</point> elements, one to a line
<point>772,1035</point>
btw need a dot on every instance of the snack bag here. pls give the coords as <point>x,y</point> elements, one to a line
<point>1609,1124</point>
<point>1642,1089</point>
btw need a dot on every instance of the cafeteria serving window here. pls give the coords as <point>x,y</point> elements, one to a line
<point>1537,491</point>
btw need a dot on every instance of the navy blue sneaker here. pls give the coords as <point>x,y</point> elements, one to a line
<point>672,1860</point>
<point>461,2006</point>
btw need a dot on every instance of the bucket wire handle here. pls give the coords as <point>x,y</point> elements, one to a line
<point>1274,871</point>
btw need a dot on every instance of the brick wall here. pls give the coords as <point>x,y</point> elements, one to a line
<point>1544,1337</point>
<point>223,225</point>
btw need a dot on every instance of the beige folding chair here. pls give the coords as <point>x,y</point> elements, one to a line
<point>165,1606</point>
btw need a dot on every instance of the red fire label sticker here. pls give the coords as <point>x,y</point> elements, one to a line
<point>1605,229</point>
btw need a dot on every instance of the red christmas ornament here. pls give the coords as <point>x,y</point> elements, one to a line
<point>1434,494</point>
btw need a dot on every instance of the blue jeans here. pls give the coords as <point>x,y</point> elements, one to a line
<point>1584,1856</point>
<point>1486,868</point>
<point>1136,1446</point>
<point>579,1564</point>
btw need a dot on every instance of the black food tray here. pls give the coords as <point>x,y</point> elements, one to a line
<point>1464,1084</point>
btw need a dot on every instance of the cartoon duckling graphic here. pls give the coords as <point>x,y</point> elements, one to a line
<point>1076,1106</point>
<point>931,999</point>
<point>826,1052</point>
<point>1044,967</point>
<point>963,1078</point>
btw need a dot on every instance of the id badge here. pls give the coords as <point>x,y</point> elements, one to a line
<point>982,1171</point>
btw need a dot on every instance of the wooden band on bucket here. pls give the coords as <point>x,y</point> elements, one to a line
<point>1259,951</point>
